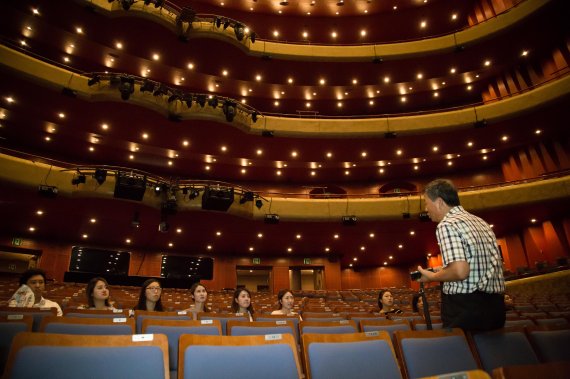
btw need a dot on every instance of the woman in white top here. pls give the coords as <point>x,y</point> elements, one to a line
<point>199,294</point>
<point>241,303</point>
<point>286,301</point>
<point>98,295</point>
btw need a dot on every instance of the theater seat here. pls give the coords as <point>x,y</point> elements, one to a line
<point>36,313</point>
<point>259,328</point>
<point>43,355</point>
<point>238,357</point>
<point>551,345</point>
<point>328,327</point>
<point>434,352</point>
<point>11,325</point>
<point>356,356</point>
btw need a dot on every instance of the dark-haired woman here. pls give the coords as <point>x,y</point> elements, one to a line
<point>242,303</point>
<point>149,297</point>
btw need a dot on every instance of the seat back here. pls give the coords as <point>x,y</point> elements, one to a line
<point>503,347</point>
<point>222,317</point>
<point>140,316</point>
<point>259,328</point>
<point>386,325</point>
<point>36,313</point>
<point>357,355</point>
<point>421,325</point>
<point>369,317</point>
<point>328,327</point>
<point>240,357</point>
<point>10,325</point>
<point>62,356</point>
<point>94,313</point>
<point>551,343</point>
<point>173,329</point>
<point>434,352</point>
<point>88,325</point>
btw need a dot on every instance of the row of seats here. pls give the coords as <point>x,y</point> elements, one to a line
<point>414,354</point>
<point>513,346</point>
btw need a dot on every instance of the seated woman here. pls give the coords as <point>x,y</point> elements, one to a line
<point>199,294</point>
<point>97,295</point>
<point>386,303</point>
<point>418,304</point>
<point>286,301</point>
<point>32,287</point>
<point>149,297</point>
<point>242,303</point>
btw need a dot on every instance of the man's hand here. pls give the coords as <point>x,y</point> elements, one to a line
<point>427,276</point>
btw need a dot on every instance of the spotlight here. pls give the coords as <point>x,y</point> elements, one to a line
<point>136,223</point>
<point>201,99</point>
<point>254,117</point>
<point>161,90</point>
<point>100,175</point>
<point>229,110</point>
<point>258,203</point>
<point>271,219</point>
<point>252,37</point>
<point>247,196</point>
<point>147,86</point>
<point>94,80</point>
<point>218,22</point>
<point>126,87</point>
<point>349,220</point>
<point>48,191</point>
<point>424,216</point>
<point>163,227</point>
<point>127,4</point>
<point>188,100</point>
<point>80,178</point>
<point>193,194</point>
<point>239,31</point>
<point>213,102</point>
<point>226,24</point>
<point>175,96</point>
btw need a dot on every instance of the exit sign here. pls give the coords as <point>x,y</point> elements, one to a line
<point>17,241</point>
<point>256,261</point>
<point>307,261</point>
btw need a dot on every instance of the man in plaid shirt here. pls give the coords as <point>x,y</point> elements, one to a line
<point>472,276</point>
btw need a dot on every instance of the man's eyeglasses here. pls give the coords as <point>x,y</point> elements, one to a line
<point>154,288</point>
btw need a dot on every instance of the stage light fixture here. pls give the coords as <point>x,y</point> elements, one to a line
<point>126,87</point>
<point>218,22</point>
<point>267,133</point>
<point>424,216</point>
<point>226,24</point>
<point>349,220</point>
<point>258,203</point>
<point>254,116</point>
<point>147,86</point>
<point>229,110</point>
<point>480,124</point>
<point>127,4</point>
<point>390,135</point>
<point>201,99</point>
<point>147,2</point>
<point>247,196</point>
<point>100,176</point>
<point>213,102</point>
<point>79,179</point>
<point>175,96</point>
<point>239,31</point>
<point>188,100</point>
<point>136,222</point>
<point>160,90</point>
<point>271,219</point>
<point>158,3</point>
<point>94,80</point>
<point>252,37</point>
<point>48,191</point>
<point>163,227</point>
<point>193,194</point>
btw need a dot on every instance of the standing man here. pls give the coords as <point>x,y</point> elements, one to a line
<point>472,274</point>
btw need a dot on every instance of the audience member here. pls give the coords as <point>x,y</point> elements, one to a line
<point>418,304</point>
<point>199,294</point>
<point>285,300</point>
<point>30,293</point>
<point>149,297</point>
<point>509,303</point>
<point>97,295</point>
<point>241,303</point>
<point>386,303</point>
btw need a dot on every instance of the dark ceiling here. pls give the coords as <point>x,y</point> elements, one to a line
<point>79,139</point>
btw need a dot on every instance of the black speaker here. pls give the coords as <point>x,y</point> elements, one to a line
<point>424,216</point>
<point>349,220</point>
<point>217,198</point>
<point>130,187</point>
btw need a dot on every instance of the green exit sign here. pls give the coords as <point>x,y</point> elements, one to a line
<point>307,261</point>
<point>256,261</point>
<point>17,241</point>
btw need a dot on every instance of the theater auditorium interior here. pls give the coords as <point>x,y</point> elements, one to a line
<point>269,145</point>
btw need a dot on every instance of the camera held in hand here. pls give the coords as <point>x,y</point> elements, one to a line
<point>416,275</point>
